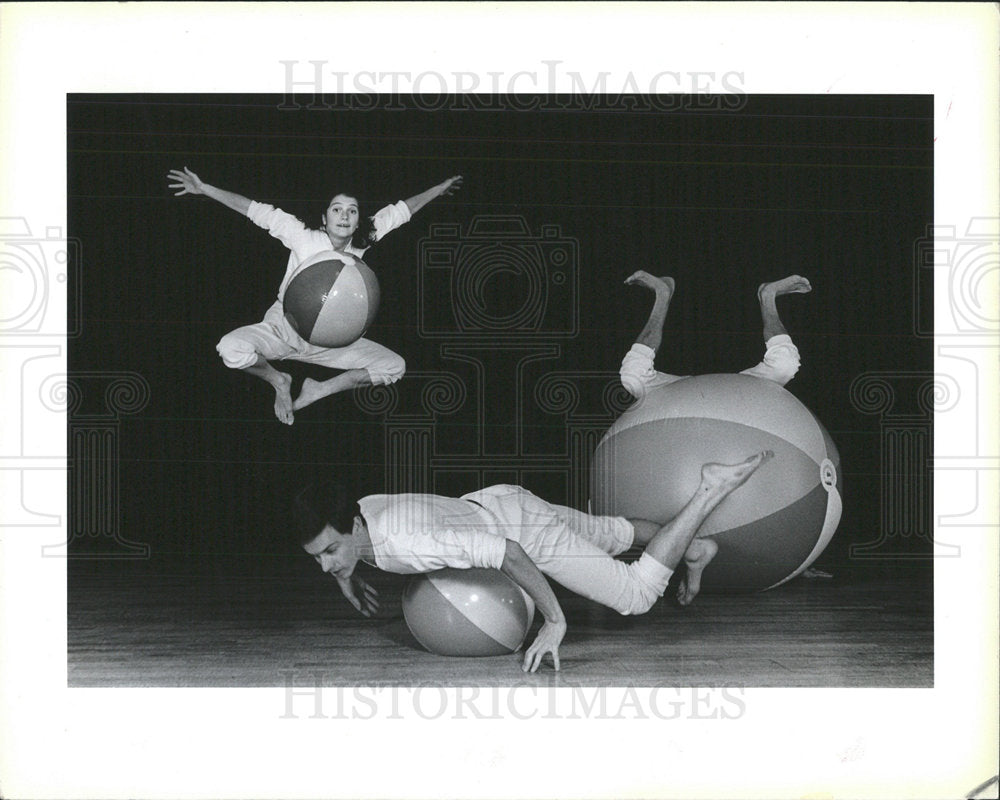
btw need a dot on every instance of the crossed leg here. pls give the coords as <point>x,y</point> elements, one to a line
<point>313,390</point>
<point>282,384</point>
<point>252,348</point>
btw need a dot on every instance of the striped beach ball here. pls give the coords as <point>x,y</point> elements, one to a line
<point>770,529</point>
<point>329,302</point>
<point>467,612</point>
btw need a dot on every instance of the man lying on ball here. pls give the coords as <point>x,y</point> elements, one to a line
<point>345,232</point>
<point>510,529</point>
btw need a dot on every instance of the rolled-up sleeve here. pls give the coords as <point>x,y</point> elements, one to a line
<point>486,550</point>
<point>390,218</point>
<point>281,225</point>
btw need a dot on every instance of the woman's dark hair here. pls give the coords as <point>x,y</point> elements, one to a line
<point>364,236</point>
<point>319,505</point>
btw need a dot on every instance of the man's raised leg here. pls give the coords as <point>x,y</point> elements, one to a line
<point>676,539</point>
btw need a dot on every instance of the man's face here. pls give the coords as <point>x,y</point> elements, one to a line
<point>341,217</point>
<point>334,552</point>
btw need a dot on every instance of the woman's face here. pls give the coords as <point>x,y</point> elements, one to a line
<point>341,218</point>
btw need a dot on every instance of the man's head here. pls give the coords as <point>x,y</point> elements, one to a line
<point>325,518</point>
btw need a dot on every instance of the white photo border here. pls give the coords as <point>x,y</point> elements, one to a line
<point>112,743</point>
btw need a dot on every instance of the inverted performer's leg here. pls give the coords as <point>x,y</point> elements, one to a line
<point>781,358</point>
<point>767,293</point>
<point>652,334</point>
<point>637,373</point>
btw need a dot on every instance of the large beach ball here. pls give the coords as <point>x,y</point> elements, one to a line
<point>769,530</point>
<point>467,612</point>
<point>329,302</point>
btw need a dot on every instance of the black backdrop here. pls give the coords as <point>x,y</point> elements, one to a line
<point>836,188</point>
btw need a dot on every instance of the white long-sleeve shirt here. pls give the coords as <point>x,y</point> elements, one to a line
<point>413,533</point>
<point>306,242</point>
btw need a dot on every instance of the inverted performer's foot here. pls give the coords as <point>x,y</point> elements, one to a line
<point>664,285</point>
<point>793,284</point>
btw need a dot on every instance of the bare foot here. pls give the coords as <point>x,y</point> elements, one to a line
<point>283,399</point>
<point>723,478</point>
<point>662,285</point>
<point>812,572</point>
<point>699,553</point>
<point>316,390</point>
<point>312,391</point>
<point>793,284</point>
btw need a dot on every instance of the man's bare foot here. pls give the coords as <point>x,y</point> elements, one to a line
<point>723,478</point>
<point>698,554</point>
<point>793,284</point>
<point>283,398</point>
<point>312,391</point>
<point>662,285</point>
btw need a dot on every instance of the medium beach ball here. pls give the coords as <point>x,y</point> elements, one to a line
<point>467,612</point>
<point>329,302</point>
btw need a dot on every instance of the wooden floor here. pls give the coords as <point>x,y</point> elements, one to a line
<point>131,627</point>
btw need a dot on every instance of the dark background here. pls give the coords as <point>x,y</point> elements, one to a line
<point>838,189</point>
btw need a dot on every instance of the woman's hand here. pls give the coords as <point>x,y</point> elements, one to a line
<point>450,186</point>
<point>186,181</point>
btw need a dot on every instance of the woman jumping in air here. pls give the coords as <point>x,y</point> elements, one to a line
<point>252,347</point>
